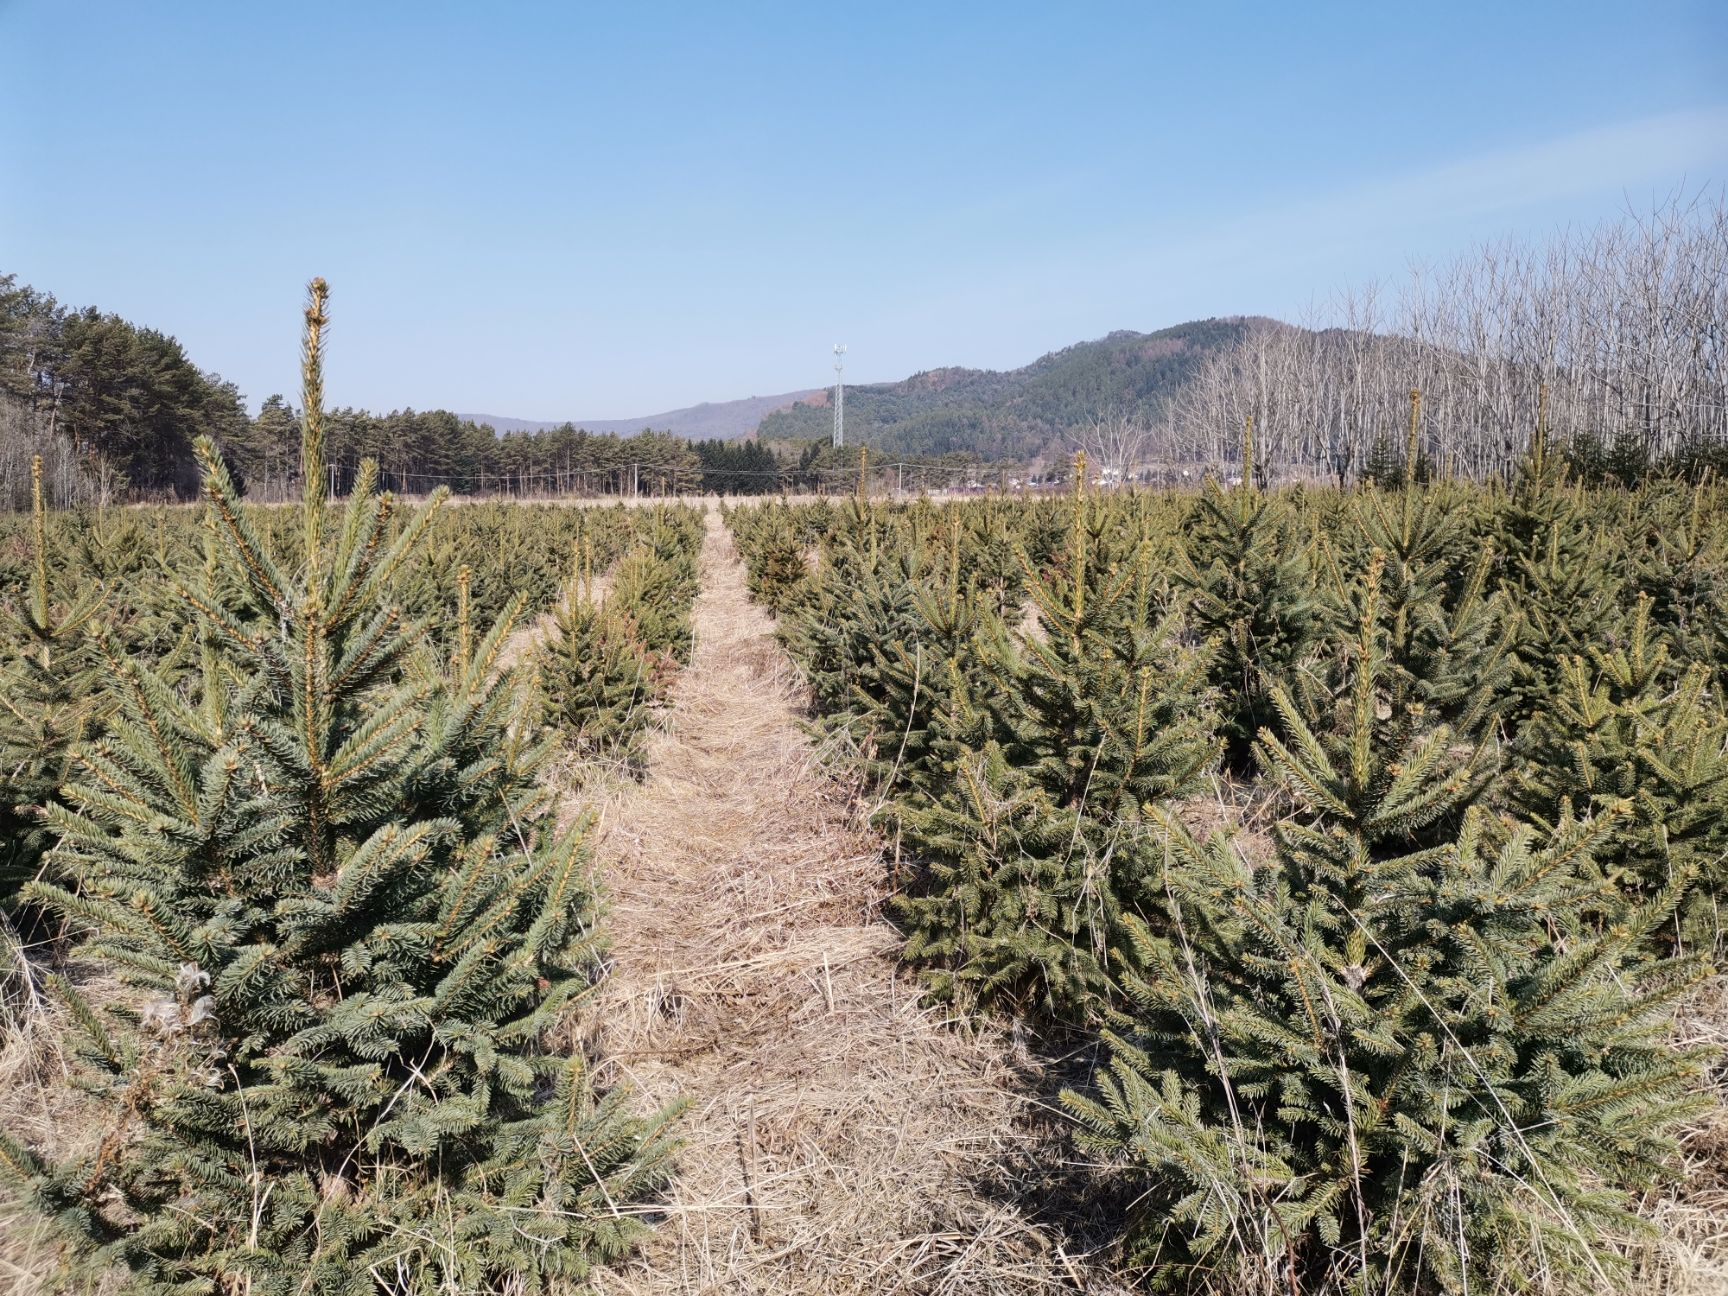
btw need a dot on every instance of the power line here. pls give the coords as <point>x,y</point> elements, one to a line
<point>636,470</point>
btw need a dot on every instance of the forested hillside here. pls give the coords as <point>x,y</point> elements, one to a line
<point>1502,340</point>
<point>1016,413</point>
<point>114,407</point>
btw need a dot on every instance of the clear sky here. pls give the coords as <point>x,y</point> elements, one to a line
<point>605,210</point>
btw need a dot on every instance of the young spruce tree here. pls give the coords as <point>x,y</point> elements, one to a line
<point>600,682</point>
<point>1033,853</point>
<point>1558,573</point>
<point>913,690</point>
<point>49,697</point>
<point>1400,1058</point>
<point>1249,584</point>
<point>1447,640</point>
<point>1620,731</point>
<point>859,599</point>
<point>352,924</point>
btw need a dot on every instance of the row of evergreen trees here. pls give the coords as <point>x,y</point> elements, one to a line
<point>608,663</point>
<point>312,843</point>
<point>1413,1037</point>
<point>515,548</point>
<point>129,404</point>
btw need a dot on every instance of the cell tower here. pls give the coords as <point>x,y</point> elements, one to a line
<point>839,393</point>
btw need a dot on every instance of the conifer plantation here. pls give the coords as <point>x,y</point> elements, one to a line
<point>1320,891</point>
<point>1354,856</point>
<point>1025,650</point>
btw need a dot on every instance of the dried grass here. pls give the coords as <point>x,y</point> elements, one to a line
<point>40,1106</point>
<point>1687,1253</point>
<point>1246,810</point>
<point>841,1135</point>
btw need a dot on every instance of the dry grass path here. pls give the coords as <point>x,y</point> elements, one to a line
<point>837,1130</point>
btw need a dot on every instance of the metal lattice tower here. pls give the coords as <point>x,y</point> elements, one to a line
<point>839,393</point>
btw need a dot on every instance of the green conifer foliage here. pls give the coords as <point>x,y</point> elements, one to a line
<point>1032,854</point>
<point>511,549</point>
<point>916,689</point>
<point>48,700</point>
<point>337,885</point>
<point>1446,634</point>
<point>1621,730</point>
<point>1454,653</point>
<point>1099,704</point>
<point>601,683</point>
<point>1441,1087</point>
<point>1010,904</point>
<point>1384,467</point>
<point>1398,1058</point>
<point>774,565</point>
<point>859,600</point>
<point>1250,589</point>
<point>656,583</point>
<point>124,553</point>
<point>1560,575</point>
<point>1369,755</point>
<point>1448,639</point>
<point>993,558</point>
<point>1683,567</point>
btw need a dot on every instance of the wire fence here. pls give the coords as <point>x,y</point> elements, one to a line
<point>638,480</point>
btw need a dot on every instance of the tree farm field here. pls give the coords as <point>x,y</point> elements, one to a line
<point>1255,888</point>
<point>1235,810</point>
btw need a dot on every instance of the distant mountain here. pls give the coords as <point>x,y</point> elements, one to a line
<point>709,421</point>
<point>1006,414</point>
<point>1017,413</point>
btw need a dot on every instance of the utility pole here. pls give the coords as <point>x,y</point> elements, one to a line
<point>839,393</point>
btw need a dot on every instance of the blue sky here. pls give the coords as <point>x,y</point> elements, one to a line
<point>580,210</point>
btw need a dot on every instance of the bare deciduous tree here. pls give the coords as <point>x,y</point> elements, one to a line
<point>1119,444</point>
<point>1619,332</point>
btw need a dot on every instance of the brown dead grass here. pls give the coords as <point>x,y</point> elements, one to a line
<point>1687,1254</point>
<point>40,1106</point>
<point>840,1133</point>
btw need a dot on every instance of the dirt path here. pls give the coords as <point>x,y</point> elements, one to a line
<point>838,1132</point>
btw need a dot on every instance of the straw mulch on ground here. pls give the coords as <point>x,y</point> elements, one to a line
<point>840,1135</point>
